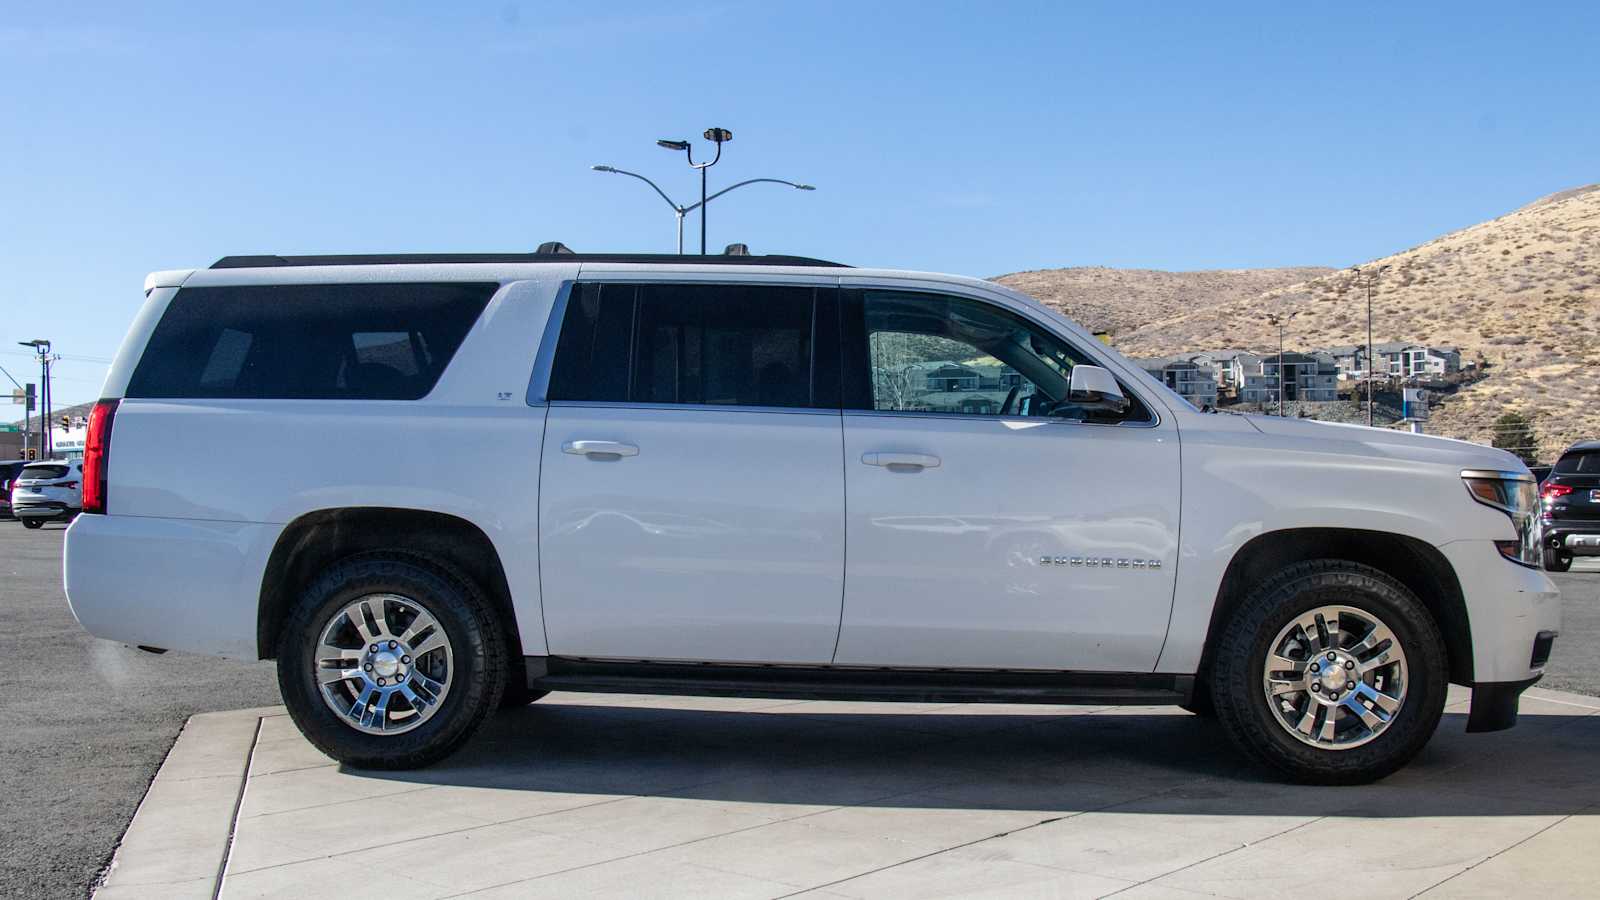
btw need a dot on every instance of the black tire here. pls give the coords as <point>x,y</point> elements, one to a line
<point>1556,561</point>
<point>1237,668</point>
<point>32,523</point>
<point>467,618</point>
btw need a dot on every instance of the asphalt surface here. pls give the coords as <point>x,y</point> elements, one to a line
<point>85,723</point>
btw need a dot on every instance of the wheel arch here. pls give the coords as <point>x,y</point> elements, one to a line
<point>315,540</point>
<point>1412,562</point>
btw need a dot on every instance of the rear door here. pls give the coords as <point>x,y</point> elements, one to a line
<point>691,492</point>
<point>991,524</point>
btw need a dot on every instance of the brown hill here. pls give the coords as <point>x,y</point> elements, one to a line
<point>1120,300</point>
<point>1521,292</point>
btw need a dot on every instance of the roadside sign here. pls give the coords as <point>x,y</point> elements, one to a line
<point>10,429</point>
<point>1414,403</point>
<point>18,395</point>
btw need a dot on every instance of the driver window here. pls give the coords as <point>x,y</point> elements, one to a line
<point>932,353</point>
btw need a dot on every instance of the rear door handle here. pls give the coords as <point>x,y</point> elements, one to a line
<point>909,460</point>
<point>593,449</point>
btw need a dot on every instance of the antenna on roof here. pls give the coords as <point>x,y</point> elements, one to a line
<point>554,247</point>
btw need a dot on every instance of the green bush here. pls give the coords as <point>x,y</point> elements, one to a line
<point>1513,432</point>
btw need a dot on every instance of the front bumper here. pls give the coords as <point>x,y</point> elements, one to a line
<point>1508,607</point>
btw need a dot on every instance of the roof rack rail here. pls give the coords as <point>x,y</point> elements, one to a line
<point>561,256</point>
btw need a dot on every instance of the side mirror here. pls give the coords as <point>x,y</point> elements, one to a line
<point>1092,387</point>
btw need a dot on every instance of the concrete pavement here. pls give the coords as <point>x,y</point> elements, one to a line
<point>583,795</point>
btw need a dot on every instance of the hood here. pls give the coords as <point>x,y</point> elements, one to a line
<point>1388,444</point>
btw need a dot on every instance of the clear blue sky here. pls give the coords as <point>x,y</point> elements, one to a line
<point>978,138</point>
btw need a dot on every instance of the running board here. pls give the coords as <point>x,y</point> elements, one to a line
<point>554,673</point>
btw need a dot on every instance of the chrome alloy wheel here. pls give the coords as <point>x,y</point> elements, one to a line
<point>384,664</point>
<point>1335,677</point>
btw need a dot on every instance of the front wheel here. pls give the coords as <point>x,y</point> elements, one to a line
<point>1331,672</point>
<point>32,523</point>
<point>1556,561</point>
<point>390,661</point>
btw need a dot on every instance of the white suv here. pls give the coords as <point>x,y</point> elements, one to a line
<point>47,490</point>
<point>427,485</point>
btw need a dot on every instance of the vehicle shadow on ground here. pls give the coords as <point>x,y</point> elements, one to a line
<point>1130,760</point>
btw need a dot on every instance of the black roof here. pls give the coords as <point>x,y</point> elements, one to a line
<point>385,259</point>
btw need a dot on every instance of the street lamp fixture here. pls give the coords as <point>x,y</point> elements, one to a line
<point>719,136</point>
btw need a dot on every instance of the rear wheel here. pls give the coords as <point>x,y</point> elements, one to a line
<point>1331,673</point>
<point>390,662</point>
<point>32,523</point>
<point>1556,561</point>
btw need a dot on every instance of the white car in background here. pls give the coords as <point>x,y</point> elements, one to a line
<point>49,490</point>
<point>429,484</point>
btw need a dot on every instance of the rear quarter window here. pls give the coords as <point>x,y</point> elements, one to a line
<point>307,342</point>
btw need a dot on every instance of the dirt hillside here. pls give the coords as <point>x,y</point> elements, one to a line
<point>1520,292</point>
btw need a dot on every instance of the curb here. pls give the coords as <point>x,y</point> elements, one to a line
<point>177,844</point>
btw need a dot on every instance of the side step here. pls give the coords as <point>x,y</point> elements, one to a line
<point>554,673</point>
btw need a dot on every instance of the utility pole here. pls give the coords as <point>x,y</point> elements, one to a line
<point>42,348</point>
<point>1280,320</point>
<point>1370,360</point>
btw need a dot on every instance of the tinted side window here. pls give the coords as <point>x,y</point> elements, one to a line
<point>722,345</point>
<point>307,342</point>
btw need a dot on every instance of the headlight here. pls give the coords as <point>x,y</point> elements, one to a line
<point>1517,495</point>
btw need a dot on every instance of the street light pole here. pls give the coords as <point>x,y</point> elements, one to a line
<point>718,136</point>
<point>1370,360</point>
<point>1280,321</point>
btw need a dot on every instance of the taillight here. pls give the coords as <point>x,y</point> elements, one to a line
<point>97,455</point>
<point>69,485</point>
<point>1552,491</point>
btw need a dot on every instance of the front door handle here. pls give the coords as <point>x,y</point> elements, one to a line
<point>599,449</point>
<point>908,460</point>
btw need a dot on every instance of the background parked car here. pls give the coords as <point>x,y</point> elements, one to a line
<point>1571,501</point>
<point>8,472</point>
<point>48,490</point>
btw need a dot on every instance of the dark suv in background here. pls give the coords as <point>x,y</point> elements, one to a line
<point>1571,506</point>
<point>9,470</point>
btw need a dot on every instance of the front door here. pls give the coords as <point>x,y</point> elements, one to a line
<point>991,523</point>
<point>691,492</point>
